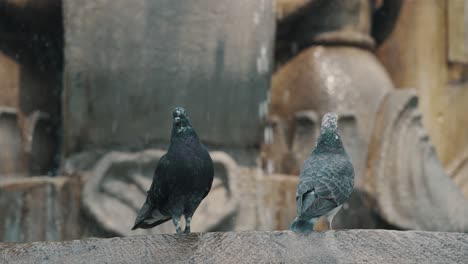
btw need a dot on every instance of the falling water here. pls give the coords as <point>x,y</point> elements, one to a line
<point>268,141</point>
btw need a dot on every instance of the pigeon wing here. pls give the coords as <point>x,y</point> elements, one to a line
<point>322,188</point>
<point>162,183</point>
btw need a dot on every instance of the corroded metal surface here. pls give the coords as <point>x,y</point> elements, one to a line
<point>354,246</point>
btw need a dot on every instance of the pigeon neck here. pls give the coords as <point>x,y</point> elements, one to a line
<point>329,142</point>
<point>183,136</point>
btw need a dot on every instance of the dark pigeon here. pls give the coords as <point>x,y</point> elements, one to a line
<point>182,179</point>
<point>326,181</point>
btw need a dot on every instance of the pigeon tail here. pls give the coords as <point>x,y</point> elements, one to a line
<point>302,226</point>
<point>149,217</point>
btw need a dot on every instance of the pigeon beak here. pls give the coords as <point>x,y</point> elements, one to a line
<point>177,119</point>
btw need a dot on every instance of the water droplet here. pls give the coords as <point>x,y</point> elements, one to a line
<point>270,166</point>
<point>114,126</point>
<point>268,135</point>
<point>263,61</point>
<point>256,18</point>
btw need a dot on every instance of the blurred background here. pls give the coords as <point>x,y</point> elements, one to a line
<point>87,89</point>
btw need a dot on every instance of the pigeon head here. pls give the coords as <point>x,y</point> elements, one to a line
<point>180,122</point>
<point>329,131</point>
<point>329,123</point>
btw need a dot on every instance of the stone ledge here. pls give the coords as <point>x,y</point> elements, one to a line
<point>347,246</point>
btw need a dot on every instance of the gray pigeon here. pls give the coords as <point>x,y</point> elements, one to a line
<point>326,181</point>
<point>182,179</point>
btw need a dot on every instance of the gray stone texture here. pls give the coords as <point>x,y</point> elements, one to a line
<point>40,208</point>
<point>409,186</point>
<point>354,246</point>
<point>116,188</point>
<point>129,63</point>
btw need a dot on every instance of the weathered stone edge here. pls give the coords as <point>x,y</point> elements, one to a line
<point>344,246</point>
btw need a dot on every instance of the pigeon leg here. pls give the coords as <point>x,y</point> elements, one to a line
<point>188,220</point>
<point>176,221</point>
